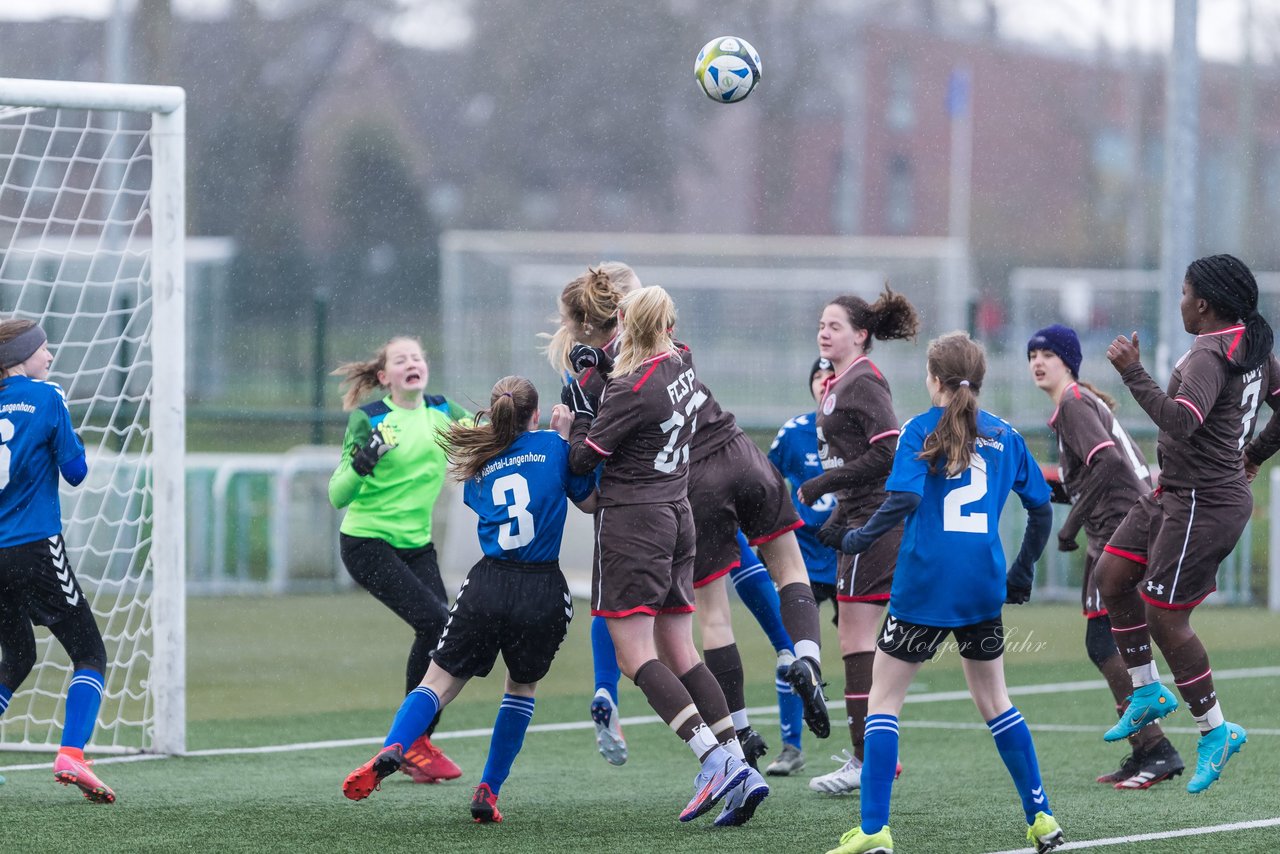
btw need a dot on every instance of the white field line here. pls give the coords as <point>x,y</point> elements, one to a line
<point>1163,834</point>
<point>765,712</point>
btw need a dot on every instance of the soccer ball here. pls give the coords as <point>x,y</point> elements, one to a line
<point>727,68</point>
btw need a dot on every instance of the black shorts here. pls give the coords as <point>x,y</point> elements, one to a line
<point>521,610</point>
<point>36,581</point>
<point>914,643</point>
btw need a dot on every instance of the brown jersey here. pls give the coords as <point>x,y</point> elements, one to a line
<point>715,426</point>
<point>1085,428</point>
<point>642,431</point>
<point>1203,445</point>
<point>856,411</point>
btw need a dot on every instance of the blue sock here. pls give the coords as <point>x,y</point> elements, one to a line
<point>6,694</point>
<point>755,589</point>
<point>604,658</point>
<point>879,762</point>
<point>84,698</point>
<point>790,713</point>
<point>508,735</point>
<point>416,714</point>
<point>1013,740</point>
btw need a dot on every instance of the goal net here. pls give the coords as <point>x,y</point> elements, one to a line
<point>91,247</point>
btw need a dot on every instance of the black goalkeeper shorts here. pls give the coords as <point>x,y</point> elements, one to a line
<point>521,610</point>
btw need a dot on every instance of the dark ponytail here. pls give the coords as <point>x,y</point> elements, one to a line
<point>1229,287</point>
<point>889,318</point>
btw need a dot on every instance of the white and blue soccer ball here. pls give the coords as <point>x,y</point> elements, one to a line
<point>727,68</point>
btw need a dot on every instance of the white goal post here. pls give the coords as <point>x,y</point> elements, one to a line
<point>92,230</point>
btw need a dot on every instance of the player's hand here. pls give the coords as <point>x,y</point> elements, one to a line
<point>582,357</point>
<point>574,397</point>
<point>562,420</point>
<point>1016,595</point>
<point>831,536</point>
<point>1250,469</point>
<point>1124,352</point>
<point>367,455</point>
<point>1067,544</point>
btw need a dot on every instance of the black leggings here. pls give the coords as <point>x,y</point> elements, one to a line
<point>77,632</point>
<point>408,582</point>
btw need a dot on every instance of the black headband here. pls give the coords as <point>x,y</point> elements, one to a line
<point>19,348</point>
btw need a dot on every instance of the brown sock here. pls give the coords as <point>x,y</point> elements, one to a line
<point>668,697</point>
<point>725,663</point>
<point>1191,673</point>
<point>800,613</point>
<point>709,699</point>
<point>857,685</point>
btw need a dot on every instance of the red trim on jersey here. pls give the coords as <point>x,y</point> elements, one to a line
<point>585,374</point>
<point>680,609</point>
<point>615,615</point>
<point>1189,405</point>
<point>653,365</point>
<point>1169,606</point>
<point>597,448</point>
<point>1089,615</point>
<point>1058,408</point>
<point>1109,549</point>
<point>719,573</point>
<point>1236,328</point>
<point>1107,444</point>
<point>884,435</point>
<point>879,597</point>
<point>834,378</point>
<point>1235,343</point>
<point>770,537</point>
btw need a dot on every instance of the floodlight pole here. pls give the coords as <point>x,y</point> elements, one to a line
<point>1178,221</point>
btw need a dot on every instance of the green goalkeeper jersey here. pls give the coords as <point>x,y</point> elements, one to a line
<point>395,501</point>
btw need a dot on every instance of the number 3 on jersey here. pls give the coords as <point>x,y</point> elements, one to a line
<point>519,531</point>
<point>953,516</point>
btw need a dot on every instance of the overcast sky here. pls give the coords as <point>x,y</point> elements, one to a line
<point>1088,24</point>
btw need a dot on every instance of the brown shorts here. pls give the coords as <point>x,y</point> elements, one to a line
<point>867,577</point>
<point>644,560</point>
<point>736,487</point>
<point>1182,536</point>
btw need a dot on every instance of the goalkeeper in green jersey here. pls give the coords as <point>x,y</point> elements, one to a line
<point>391,472</point>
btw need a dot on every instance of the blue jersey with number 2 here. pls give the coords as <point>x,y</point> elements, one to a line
<point>520,497</point>
<point>951,567</point>
<point>36,437</point>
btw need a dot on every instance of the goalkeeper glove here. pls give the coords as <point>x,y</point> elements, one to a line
<point>1017,585</point>
<point>367,455</point>
<point>582,357</point>
<point>574,397</point>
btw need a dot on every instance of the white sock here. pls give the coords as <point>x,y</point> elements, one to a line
<point>740,719</point>
<point>1211,719</point>
<point>734,748</point>
<point>1144,674</point>
<point>702,742</point>
<point>808,649</point>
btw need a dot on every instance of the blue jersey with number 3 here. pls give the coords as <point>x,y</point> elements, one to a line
<point>951,567</point>
<point>520,497</point>
<point>36,437</point>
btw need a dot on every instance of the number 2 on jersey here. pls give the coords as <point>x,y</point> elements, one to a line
<point>6,433</point>
<point>519,531</point>
<point>668,459</point>
<point>953,516</point>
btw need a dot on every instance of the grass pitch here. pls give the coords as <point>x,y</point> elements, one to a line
<point>313,669</point>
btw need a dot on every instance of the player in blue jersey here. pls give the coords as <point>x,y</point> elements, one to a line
<point>794,453</point>
<point>954,467</point>
<point>515,601</point>
<point>37,584</point>
<point>388,478</point>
